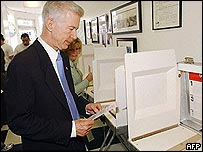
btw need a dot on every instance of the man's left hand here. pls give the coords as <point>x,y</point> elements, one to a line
<point>93,108</point>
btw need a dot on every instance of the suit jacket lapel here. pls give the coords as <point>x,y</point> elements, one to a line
<point>54,85</point>
<point>68,71</point>
<point>50,75</point>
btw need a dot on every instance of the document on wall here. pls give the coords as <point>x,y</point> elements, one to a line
<point>103,111</point>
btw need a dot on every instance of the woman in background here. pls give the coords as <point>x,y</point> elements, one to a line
<point>73,52</point>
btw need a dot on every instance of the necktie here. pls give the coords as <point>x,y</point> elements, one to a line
<point>69,97</point>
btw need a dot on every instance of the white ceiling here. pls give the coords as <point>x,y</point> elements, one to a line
<point>92,8</point>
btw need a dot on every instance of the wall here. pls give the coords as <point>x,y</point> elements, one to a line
<point>9,17</point>
<point>187,40</point>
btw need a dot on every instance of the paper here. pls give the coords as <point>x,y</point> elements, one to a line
<point>103,111</point>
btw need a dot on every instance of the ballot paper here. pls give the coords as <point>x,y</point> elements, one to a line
<point>105,109</point>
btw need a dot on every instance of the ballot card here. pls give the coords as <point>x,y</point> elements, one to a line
<point>105,109</point>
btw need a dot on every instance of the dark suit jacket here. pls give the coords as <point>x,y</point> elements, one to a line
<point>37,107</point>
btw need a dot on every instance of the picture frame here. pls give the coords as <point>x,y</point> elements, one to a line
<point>103,23</point>
<point>129,43</point>
<point>95,30</point>
<point>88,32</point>
<point>166,14</point>
<point>127,18</point>
<point>103,19</point>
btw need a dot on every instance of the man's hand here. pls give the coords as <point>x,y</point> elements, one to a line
<point>93,108</point>
<point>83,126</point>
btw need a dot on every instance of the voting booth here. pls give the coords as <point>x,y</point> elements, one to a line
<point>106,60</point>
<point>86,58</point>
<point>159,101</point>
<point>156,113</point>
<point>117,119</point>
<point>85,65</point>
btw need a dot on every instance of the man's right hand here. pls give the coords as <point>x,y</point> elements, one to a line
<point>83,126</point>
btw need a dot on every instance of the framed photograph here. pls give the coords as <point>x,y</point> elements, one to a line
<point>166,14</point>
<point>95,30</point>
<point>103,29</point>
<point>103,23</point>
<point>127,18</point>
<point>129,43</point>
<point>88,32</point>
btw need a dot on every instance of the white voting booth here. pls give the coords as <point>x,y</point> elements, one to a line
<point>159,101</point>
<point>117,121</point>
<point>85,64</point>
<point>106,60</point>
<point>86,58</point>
<point>120,84</point>
<point>153,89</point>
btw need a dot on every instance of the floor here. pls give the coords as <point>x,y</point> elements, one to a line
<point>15,139</point>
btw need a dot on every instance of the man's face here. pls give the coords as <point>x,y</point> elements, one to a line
<point>26,41</point>
<point>64,30</point>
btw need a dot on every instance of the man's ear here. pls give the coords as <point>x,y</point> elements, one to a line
<point>49,24</point>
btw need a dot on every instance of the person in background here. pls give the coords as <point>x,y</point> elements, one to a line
<point>2,61</point>
<point>37,103</point>
<point>73,52</point>
<point>8,51</point>
<point>4,147</point>
<point>25,43</point>
<point>3,82</point>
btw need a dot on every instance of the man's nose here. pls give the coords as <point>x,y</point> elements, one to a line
<point>74,34</point>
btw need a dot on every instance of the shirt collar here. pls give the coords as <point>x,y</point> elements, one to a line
<point>51,52</point>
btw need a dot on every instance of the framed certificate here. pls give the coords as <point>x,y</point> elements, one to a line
<point>166,14</point>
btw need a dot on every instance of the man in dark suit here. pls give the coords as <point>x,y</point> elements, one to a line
<point>37,106</point>
<point>3,80</point>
